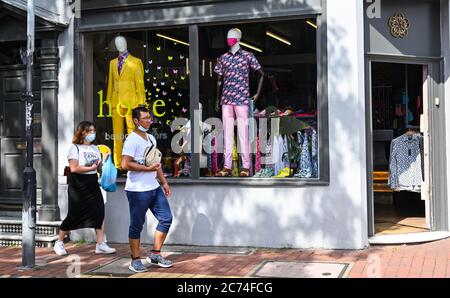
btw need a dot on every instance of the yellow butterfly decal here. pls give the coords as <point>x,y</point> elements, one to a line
<point>177,103</point>
<point>172,87</point>
<point>166,75</point>
<point>158,48</point>
<point>157,89</point>
<point>182,78</point>
<point>170,58</point>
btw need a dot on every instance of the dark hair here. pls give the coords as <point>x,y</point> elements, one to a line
<point>83,127</point>
<point>136,113</point>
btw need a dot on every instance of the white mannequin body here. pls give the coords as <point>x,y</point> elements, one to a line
<point>235,33</point>
<point>121,44</point>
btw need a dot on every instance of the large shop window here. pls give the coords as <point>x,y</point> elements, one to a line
<point>272,136</point>
<point>155,73</point>
<point>276,135</point>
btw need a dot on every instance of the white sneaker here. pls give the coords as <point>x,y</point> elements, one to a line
<point>103,248</point>
<point>59,248</point>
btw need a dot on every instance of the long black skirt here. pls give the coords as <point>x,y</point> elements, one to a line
<point>86,206</point>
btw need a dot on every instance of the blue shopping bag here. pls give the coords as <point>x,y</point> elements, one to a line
<point>109,175</point>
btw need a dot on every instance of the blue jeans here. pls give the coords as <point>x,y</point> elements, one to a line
<point>140,202</point>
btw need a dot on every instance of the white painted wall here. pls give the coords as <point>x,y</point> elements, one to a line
<point>65,105</point>
<point>445,45</point>
<point>321,217</point>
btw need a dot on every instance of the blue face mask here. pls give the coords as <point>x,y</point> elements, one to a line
<point>90,137</point>
<point>141,128</point>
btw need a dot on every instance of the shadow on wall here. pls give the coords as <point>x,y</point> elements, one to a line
<point>334,216</point>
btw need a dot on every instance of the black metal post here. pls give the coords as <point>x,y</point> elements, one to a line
<point>29,174</point>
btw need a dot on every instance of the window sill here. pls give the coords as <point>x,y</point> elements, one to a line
<point>242,181</point>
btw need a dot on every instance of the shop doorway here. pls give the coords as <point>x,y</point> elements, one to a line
<point>400,148</point>
<point>12,135</point>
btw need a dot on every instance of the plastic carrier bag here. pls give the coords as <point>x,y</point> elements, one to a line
<point>109,175</point>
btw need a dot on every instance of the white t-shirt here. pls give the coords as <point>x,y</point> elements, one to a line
<point>135,146</point>
<point>86,155</point>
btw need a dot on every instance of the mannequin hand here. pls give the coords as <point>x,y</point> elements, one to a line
<point>255,97</point>
<point>217,106</point>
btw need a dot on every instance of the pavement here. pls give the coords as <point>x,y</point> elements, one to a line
<point>428,260</point>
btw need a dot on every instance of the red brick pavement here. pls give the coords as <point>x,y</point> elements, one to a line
<point>420,260</point>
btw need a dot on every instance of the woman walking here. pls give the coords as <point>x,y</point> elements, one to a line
<point>86,206</point>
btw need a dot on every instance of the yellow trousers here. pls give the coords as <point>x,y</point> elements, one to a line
<point>118,132</point>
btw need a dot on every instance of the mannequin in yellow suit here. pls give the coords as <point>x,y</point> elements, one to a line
<point>125,92</point>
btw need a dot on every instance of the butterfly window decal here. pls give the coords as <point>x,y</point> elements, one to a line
<point>150,61</point>
<point>158,49</point>
<point>164,93</point>
<point>184,110</point>
<point>175,71</point>
<point>182,78</point>
<point>163,83</point>
<point>158,67</point>
<point>181,57</point>
<point>177,103</point>
<point>179,94</point>
<point>146,70</point>
<point>166,75</point>
<point>172,87</point>
<point>170,58</point>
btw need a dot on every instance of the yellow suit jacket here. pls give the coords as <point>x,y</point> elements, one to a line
<point>126,88</point>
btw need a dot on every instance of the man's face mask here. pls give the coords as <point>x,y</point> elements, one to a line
<point>231,41</point>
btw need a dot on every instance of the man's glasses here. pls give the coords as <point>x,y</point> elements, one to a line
<point>146,118</point>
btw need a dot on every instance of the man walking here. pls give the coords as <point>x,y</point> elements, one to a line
<point>145,192</point>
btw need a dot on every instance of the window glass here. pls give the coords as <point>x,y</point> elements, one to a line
<point>154,73</point>
<point>276,136</point>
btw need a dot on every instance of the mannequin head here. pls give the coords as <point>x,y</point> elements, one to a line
<point>233,36</point>
<point>121,44</point>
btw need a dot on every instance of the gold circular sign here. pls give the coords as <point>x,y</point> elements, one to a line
<point>399,25</point>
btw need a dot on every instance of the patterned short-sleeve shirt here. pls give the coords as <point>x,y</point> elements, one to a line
<point>235,70</point>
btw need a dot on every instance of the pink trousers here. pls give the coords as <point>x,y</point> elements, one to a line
<point>228,116</point>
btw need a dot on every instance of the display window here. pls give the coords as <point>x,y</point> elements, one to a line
<point>260,80</point>
<point>257,86</point>
<point>149,68</point>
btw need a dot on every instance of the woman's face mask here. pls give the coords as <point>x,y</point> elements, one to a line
<point>231,41</point>
<point>90,137</point>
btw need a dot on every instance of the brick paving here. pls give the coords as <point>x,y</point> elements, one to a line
<point>430,260</point>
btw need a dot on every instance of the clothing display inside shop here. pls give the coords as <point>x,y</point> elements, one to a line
<point>406,162</point>
<point>233,68</point>
<point>126,91</point>
<point>290,149</point>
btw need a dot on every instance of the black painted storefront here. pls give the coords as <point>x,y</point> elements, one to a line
<point>12,112</point>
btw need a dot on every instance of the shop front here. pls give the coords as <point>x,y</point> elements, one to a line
<point>405,112</point>
<point>297,156</point>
